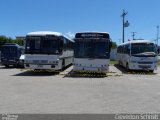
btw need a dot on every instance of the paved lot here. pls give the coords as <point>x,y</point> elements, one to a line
<point>23,91</point>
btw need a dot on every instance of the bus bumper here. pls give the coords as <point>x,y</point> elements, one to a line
<point>91,69</point>
<point>42,67</point>
<point>143,67</point>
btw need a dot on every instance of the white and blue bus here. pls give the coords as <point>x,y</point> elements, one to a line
<point>10,54</point>
<point>48,50</point>
<point>137,55</point>
<point>92,52</point>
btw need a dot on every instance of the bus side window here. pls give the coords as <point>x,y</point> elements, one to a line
<point>64,44</point>
<point>128,49</point>
<point>110,46</point>
<point>61,45</point>
<point>158,50</point>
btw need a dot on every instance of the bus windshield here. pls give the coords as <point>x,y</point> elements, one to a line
<point>42,45</point>
<point>92,49</point>
<point>141,48</point>
<point>9,50</point>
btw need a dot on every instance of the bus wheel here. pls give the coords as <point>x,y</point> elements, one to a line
<point>119,63</point>
<point>7,66</point>
<point>127,67</point>
<point>63,64</point>
<point>151,71</point>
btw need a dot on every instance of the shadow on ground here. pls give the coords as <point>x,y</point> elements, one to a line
<point>10,67</point>
<point>37,73</point>
<point>74,74</point>
<point>140,72</point>
<point>40,72</point>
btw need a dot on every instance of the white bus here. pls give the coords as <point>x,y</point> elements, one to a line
<point>48,50</point>
<point>137,55</point>
<point>92,52</point>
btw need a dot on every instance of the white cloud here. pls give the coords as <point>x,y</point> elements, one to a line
<point>70,34</point>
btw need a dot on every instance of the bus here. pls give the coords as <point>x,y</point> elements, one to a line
<point>92,52</point>
<point>10,54</point>
<point>138,55</point>
<point>48,50</point>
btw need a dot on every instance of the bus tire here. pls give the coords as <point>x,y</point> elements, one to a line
<point>151,71</point>
<point>119,63</point>
<point>7,66</point>
<point>63,64</point>
<point>127,67</point>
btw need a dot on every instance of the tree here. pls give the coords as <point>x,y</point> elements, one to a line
<point>114,45</point>
<point>4,39</point>
<point>18,41</point>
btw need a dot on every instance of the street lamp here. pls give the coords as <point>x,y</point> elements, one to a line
<point>157,34</point>
<point>124,24</point>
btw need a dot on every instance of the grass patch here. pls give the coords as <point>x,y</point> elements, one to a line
<point>159,63</point>
<point>113,62</point>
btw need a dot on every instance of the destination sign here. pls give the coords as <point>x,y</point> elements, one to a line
<point>92,35</point>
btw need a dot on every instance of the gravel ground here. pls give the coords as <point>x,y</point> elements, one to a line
<point>24,91</point>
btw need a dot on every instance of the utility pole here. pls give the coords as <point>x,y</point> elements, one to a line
<point>157,34</point>
<point>133,34</point>
<point>124,24</point>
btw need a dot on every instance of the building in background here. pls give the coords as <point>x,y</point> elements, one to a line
<point>113,54</point>
<point>20,37</point>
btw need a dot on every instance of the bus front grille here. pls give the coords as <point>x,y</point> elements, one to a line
<point>144,66</point>
<point>40,61</point>
<point>145,62</point>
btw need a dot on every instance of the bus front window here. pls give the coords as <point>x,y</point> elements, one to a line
<point>9,50</point>
<point>92,49</point>
<point>50,47</point>
<point>42,45</point>
<point>33,45</point>
<point>141,48</point>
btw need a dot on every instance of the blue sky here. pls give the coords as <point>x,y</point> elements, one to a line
<point>18,17</point>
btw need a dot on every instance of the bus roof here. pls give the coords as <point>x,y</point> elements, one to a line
<point>43,33</point>
<point>136,41</point>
